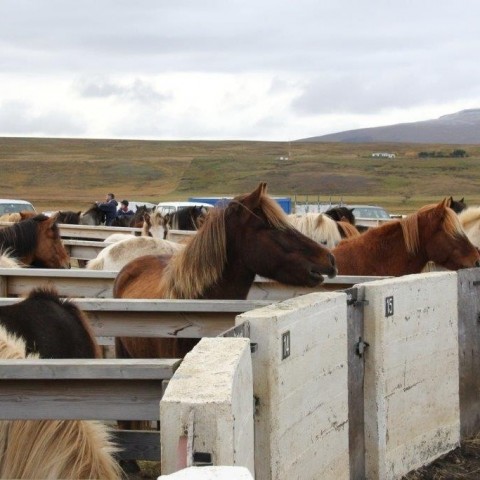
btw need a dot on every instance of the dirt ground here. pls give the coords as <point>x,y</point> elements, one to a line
<point>461,464</point>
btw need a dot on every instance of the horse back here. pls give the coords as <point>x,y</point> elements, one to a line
<point>140,277</point>
<point>51,327</point>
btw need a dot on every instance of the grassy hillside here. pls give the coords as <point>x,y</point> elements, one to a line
<point>68,173</point>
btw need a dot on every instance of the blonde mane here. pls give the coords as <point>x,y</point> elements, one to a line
<point>52,448</point>
<point>469,216</point>
<point>201,263</point>
<point>317,226</point>
<point>451,226</point>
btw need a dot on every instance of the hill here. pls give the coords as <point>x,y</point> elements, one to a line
<point>69,174</point>
<point>457,128</point>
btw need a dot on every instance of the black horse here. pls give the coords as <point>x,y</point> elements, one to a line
<point>341,214</point>
<point>50,326</point>
<point>187,218</point>
<point>458,205</point>
<point>67,216</point>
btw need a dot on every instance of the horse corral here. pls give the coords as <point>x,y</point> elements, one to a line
<point>332,373</point>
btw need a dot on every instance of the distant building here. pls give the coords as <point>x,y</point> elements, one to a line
<point>383,155</point>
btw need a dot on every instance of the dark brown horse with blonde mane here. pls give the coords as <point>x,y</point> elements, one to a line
<point>35,241</point>
<point>403,247</point>
<point>250,236</point>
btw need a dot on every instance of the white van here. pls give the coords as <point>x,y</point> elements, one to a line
<point>170,207</point>
<point>14,206</point>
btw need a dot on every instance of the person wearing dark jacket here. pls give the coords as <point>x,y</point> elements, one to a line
<point>124,211</point>
<point>109,207</point>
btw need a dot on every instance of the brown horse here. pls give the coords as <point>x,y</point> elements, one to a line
<point>403,247</point>
<point>35,241</point>
<point>250,236</point>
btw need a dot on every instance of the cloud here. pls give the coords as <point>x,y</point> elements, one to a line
<point>136,91</point>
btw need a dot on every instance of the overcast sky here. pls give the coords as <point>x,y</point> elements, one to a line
<point>220,69</point>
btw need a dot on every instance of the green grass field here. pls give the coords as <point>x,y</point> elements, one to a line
<point>70,173</point>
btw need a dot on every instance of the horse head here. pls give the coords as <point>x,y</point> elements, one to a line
<point>445,241</point>
<point>93,216</point>
<point>49,251</point>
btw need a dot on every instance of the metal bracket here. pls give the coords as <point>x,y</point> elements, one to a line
<point>202,459</point>
<point>360,347</point>
<point>352,298</point>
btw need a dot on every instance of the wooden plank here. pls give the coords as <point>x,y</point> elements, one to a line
<point>99,283</point>
<point>84,249</point>
<point>85,399</point>
<point>137,444</point>
<point>469,348</point>
<point>90,369</point>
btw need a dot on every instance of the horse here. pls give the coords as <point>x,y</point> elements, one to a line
<point>470,221</point>
<point>92,216</point>
<point>340,213</point>
<point>118,254</point>
<point>250,235</point>
<point>154,225</point>
<point>50,326</point>
<point>53,448</point>
<point>458,206</point>
<point>68,217</point>
<point>36,242</point>
<point>135,220</point>
<point>186,218</point>
<point>402,247</point>
<point>318,227</point>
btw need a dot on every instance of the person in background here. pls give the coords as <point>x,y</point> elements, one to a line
<point>109,207</point>
<point>124,211</point>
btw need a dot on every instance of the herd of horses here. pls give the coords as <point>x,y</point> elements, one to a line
<point>249,236</point>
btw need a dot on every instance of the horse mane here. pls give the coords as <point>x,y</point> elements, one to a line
<point>52,448</point>
<point>7,260</point>
<point>21,237</point>
<point>68,217</point>
<point>187,274</point>
<point>319,227</point>
<point>348,229</point>
<point>409,224</point>
<point>468,216</point>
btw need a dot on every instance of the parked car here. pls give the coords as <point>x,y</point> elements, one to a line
<point>14,206</point>
<point>370,211</point>
<point>170,207</point>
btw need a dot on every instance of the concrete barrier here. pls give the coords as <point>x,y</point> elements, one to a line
<point>300,385</point>
<point>411,372</point>
<point>207,408</point>
<point>210,473</point>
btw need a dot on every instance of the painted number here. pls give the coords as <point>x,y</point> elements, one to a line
<point>388,306</point>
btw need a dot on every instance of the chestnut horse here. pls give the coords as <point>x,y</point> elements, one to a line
<point>35,241</point>
<point>250,236</point>
<point>402,247</point>
<point>52,448</point>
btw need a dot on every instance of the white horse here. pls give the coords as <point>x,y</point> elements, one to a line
<point>52,448</point>
<point>154,225</point>
<point>470,221</point>
<point>116,255</point>
<point>318,227</point>
<point>7,261</point>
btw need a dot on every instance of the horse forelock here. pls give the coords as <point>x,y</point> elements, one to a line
<point>200,264</point>
<point>11,346</point>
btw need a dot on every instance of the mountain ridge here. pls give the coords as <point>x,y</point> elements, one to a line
<point>462,127</point>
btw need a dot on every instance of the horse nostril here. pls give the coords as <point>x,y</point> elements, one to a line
<point>332,259</point>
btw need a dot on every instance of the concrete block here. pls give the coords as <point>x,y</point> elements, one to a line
<point>411,372</point>
<point>213,389</point>
<point>301,421</point>
<point>210,473</point>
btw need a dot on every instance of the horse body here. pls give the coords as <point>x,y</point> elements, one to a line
<point>70,449</point>
<point>405,246</point>
<point>51,327</point>
<point>35,241</point>
<point>92,216</point>
<point>118,254</point>
<point>250,236</point>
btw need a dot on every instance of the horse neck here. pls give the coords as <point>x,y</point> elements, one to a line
<point>379,251</point>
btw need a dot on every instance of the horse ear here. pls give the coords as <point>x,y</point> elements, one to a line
<point>447,202</point>
<point>79,212</point>
<point>451,199</point>
<point>462,200</point>
<point>253,200</point>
